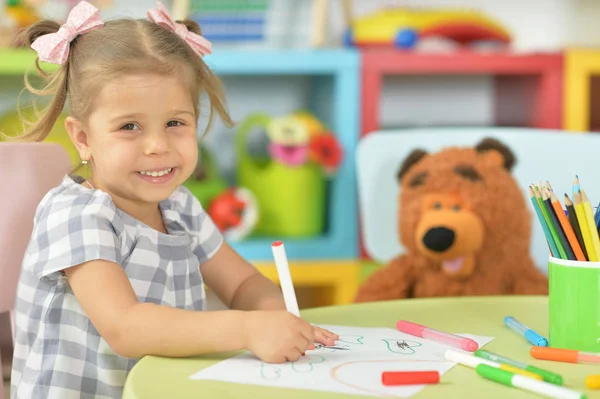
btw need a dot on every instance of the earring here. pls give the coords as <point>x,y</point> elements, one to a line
<point>84,162</point>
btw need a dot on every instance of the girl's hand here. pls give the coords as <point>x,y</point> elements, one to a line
<point>324,337</point>
<point>276,336</point>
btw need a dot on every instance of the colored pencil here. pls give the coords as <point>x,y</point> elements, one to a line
<point>575,224</point>
<point>567,228</point>
<point>576,185</point>
<point>591,224</point>
<point>585,230</point>
<point>597,216</point>
<point>549,239</point>
<point>554,220</point>
<point>551,227</point>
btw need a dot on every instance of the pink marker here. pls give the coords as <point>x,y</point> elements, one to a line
<point>438,336</point>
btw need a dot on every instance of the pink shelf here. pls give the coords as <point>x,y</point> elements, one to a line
<point>546,69</point>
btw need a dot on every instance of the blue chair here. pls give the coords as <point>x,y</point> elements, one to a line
<point>552,155</point>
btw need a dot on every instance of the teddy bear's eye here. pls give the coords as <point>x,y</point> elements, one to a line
<point>455,208</point>
<point>437,206</point>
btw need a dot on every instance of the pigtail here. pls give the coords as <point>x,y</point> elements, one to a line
<point>55,85</point>
<point>210,84</point>
<point>213,87</point>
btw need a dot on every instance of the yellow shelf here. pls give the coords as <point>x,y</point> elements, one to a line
<point>341,278</point>
<point>580,65</point>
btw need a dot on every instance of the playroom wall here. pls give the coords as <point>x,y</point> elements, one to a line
<point>543,25</point>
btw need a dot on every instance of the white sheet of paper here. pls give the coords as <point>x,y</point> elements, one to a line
<point>354,371</point>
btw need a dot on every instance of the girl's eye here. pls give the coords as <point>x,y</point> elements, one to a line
<point>130,126</point>
<point>174,123</point>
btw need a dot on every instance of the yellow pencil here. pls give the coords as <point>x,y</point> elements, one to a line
<point>589,214</point>
<point>585,230</point>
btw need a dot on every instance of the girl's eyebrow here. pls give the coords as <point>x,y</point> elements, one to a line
<point>182,111</point>
<point>125,116</point>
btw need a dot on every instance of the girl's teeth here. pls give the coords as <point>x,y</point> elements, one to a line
<point>157,174</point>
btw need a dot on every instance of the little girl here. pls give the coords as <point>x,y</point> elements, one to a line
<point>116,265</point>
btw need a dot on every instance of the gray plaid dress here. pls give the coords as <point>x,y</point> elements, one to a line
<point>58,351</point>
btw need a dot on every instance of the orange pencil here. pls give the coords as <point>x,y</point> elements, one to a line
<point>567,228</point>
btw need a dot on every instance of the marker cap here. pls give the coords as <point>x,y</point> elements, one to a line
<point>410,377</point>
<point>535,338</point>
<point>546,375</point>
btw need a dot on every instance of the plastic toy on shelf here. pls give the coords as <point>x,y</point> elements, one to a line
<point>233,209</point>
<point>405,27</point>
<point>290,183</point>
<point>235,212</point>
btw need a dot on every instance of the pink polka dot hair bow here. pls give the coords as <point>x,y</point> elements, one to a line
<point>54,47</point>
<point>160,15</point>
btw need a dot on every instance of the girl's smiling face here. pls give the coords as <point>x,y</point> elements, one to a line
<point>140,138</point>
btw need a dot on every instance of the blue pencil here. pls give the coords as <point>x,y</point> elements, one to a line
<point>597,216</point>
<point>549,239</point>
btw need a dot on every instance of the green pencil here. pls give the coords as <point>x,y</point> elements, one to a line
<point>554,219</point>
<point>549,239</point>
<point>538,196</point>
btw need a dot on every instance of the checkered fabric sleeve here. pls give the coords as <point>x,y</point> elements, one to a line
<point>206,236</point>
<point>78,228</point>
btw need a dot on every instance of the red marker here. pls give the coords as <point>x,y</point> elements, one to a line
<point>410,377</point>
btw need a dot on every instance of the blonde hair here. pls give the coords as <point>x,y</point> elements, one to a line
<point>124,46</point>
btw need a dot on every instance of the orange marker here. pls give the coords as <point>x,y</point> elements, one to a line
<point>563,355</point>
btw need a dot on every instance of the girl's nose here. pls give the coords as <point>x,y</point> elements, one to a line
<point>156,143</point>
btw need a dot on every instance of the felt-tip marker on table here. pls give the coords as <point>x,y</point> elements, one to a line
<point>546,375</point>
<point>511,379</point>
<point>438,336</point>
<point>391,378</point>
<point>531,336</point>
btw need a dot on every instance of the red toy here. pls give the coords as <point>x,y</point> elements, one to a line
<point>234,212</point>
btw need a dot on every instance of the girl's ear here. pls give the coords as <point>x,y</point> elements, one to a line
<point>78,137</point>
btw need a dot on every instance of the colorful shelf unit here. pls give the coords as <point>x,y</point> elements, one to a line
<point>335,76</point>
<point>546,69</point>
<point>582,90</point>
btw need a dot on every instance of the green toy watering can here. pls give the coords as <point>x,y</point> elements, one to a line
<point>205,183</point>
<point>291,199</point>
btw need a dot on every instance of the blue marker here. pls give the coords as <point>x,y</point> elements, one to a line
<point>530,335</point>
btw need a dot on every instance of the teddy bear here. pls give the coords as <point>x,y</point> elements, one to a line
<point>465,225</point>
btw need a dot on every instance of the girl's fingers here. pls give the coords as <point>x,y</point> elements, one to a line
<point>323,338</point>
<point>328,333</point>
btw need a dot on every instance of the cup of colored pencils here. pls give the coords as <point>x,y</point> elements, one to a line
<point>571,232</point>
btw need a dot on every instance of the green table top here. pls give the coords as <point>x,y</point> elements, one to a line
<point>156,377</point>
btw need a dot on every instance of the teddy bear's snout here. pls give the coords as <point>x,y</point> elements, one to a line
<point>439,239</point>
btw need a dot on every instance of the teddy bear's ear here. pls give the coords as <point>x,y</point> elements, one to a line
<point>410,160</point>
<point>506,156</point>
